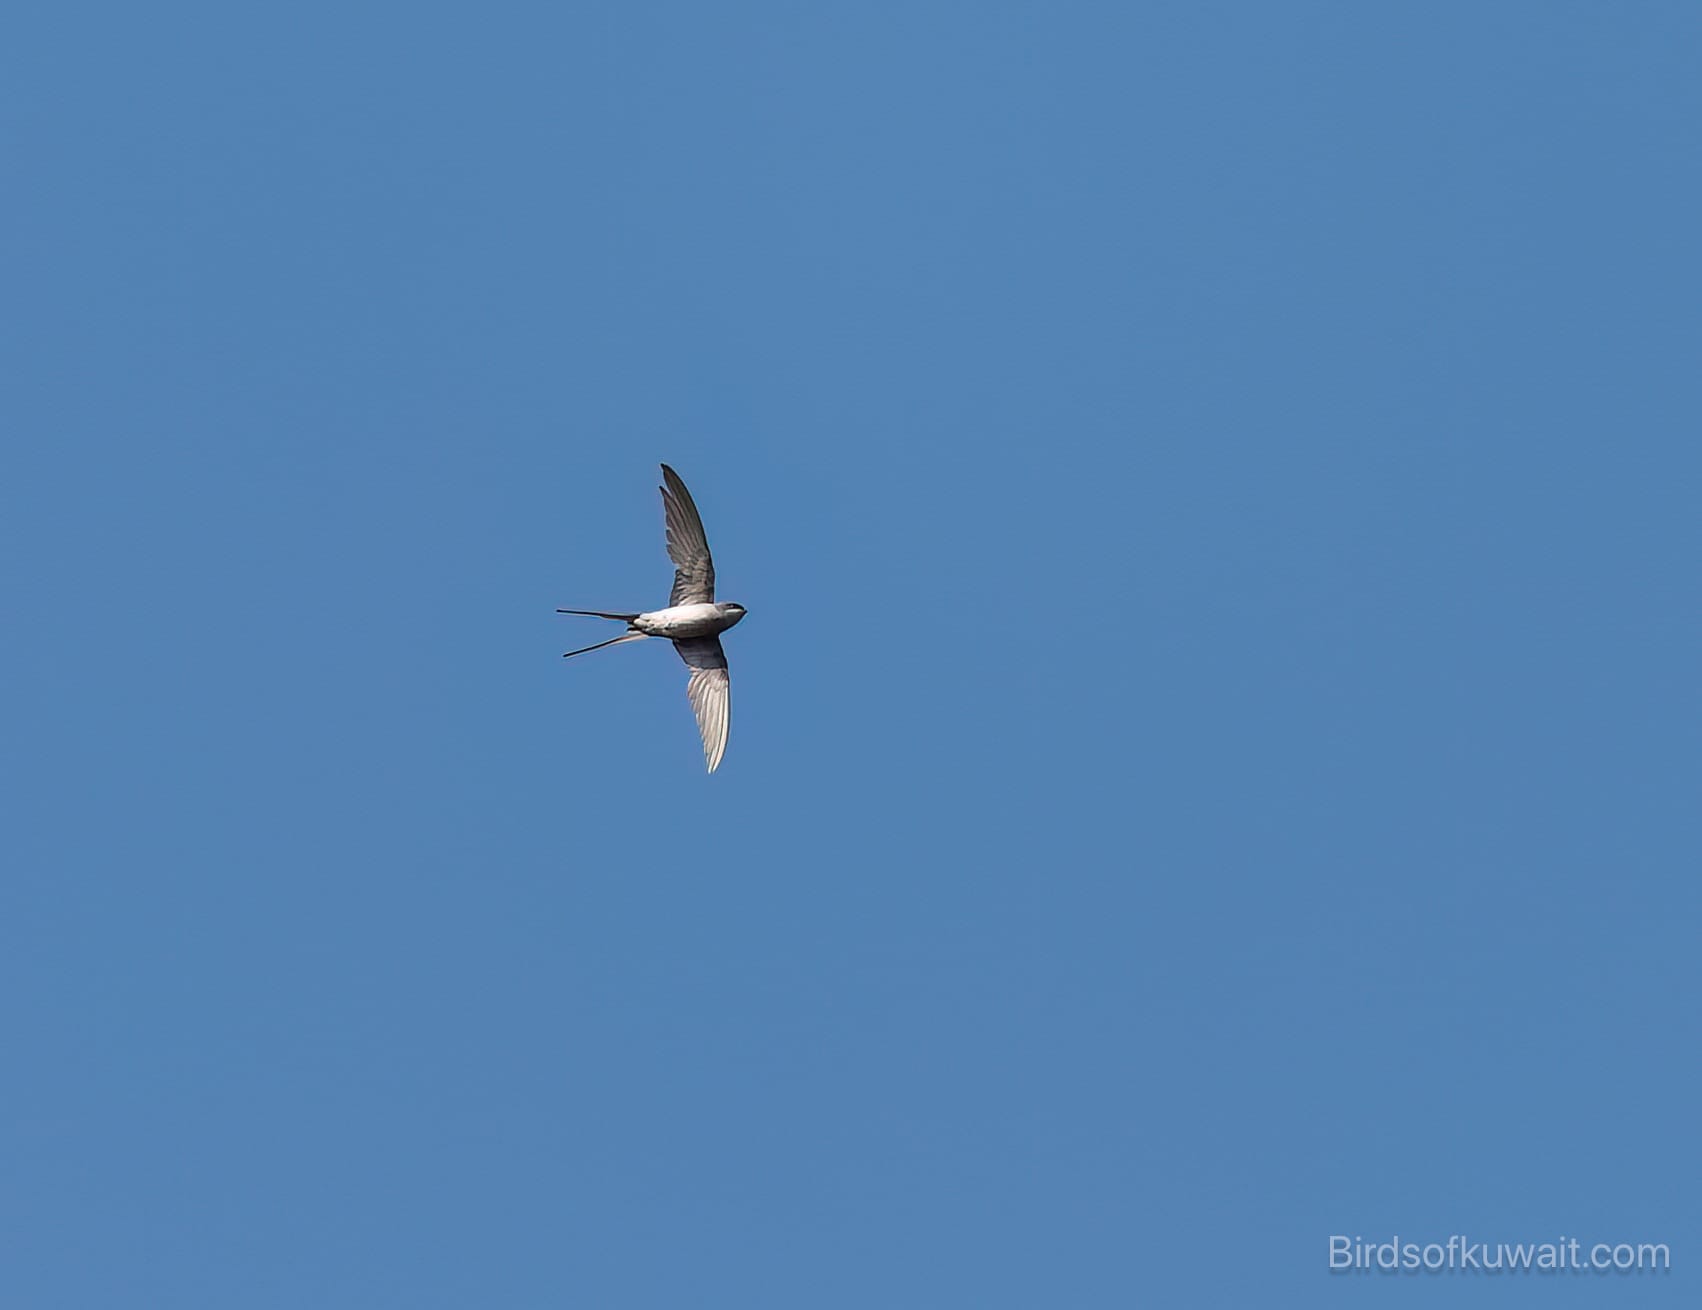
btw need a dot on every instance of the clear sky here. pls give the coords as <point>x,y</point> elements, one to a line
<point>1216,746</point>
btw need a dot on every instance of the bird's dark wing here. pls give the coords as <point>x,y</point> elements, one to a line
<point>694,571</point>
<point>708,692</point>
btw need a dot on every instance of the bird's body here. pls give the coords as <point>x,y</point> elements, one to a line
<point>693,620</point>
<point>703,619</point>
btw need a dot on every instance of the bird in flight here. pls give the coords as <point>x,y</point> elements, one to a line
<point>693,620</point>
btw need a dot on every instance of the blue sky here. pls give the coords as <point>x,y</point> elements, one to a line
<point>1215,742</point>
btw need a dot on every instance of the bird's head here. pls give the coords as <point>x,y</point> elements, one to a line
<point>733,612</point>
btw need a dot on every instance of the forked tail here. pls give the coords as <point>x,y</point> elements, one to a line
<point>628,635</point>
